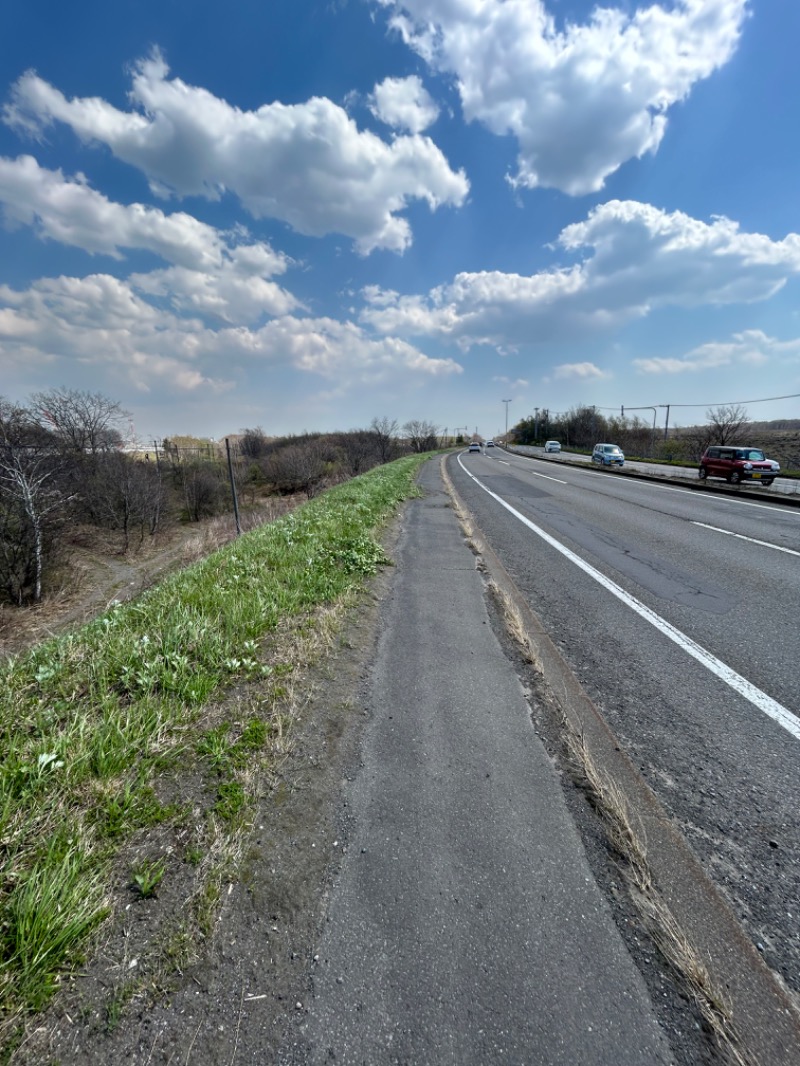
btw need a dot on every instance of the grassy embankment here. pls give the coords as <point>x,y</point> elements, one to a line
<point>95,722</point>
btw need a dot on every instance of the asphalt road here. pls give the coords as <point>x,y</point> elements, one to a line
<point>783,486</point>
<point>465,925</point>
<point>710,719</point>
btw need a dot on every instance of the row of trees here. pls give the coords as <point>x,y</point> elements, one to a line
<point>64,466</point>
<point>582,427</point>
<point>61,464</point>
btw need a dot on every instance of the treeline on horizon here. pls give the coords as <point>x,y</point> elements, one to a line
<point>67,472</point>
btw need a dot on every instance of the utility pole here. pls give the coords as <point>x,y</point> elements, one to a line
<point>506,402</point>
<point>666,420</point>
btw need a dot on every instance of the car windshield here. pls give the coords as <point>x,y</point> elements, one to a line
<point>612,448</point>
<point>750,453</point>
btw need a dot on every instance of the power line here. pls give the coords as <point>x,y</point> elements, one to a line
<point>732,403</point>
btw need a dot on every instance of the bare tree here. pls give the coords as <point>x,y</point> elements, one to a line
<point>204,488</point>
<point>358,451</point>
<point>30,500</point>
<point>726,424</point>
<point>253,443</point>
<point>305,466</point>
<point>125,494</point>
<point>385,430</point>
<point>85,422</point>
<point>422,436</point>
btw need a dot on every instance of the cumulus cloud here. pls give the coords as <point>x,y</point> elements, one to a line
<point>210,272</point>
<point>517,383</point>
<point>634,258</point>
<point>102,324</point>
<point>581,99</point>
<point>306,164</point>
<point>581,371</point>
<point>750,347</point>
<point>403,103</point>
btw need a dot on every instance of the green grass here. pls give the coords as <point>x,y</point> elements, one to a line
<point>91,722</point>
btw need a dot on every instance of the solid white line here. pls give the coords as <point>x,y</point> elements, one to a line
<point>752,540</point>
<point>740,684</point>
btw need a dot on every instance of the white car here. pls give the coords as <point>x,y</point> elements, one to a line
<point>490,444</point>
<point>552,446</point>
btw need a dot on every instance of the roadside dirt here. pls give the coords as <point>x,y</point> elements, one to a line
<point>96,573</point>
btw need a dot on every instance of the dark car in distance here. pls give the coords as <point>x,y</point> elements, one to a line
<point>737,464</point>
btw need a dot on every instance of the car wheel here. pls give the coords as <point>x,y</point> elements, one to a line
<point>702,473</point>
<point>736,477</point>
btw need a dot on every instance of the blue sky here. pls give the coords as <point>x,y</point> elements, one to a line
<point>304,215</point>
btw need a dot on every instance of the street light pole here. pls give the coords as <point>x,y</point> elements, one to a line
<point>506,402</point>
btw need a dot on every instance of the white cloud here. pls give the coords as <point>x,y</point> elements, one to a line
<point>225,293</point>
<point>636,258</point>
<point>748,348</point>
<point>517,383</point>
<point>101,328</point>
<point>580,100</point>
<point>210,272</point>
<point>404,103</point>
<point>331,348</point>
<point>70,212</point>
<point>306,164</point>
<point>581,371</point>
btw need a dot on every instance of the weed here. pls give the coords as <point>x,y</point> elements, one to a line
<point>136,807</point>
<point>230,800</point>
<point>115,1007</point>
<point>148,876</point>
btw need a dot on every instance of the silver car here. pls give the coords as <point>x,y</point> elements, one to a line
<point>608,455</point>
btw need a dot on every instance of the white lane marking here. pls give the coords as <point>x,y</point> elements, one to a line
<point>548,478</point>
<point>535,474</point>
<point>739,684</point>
<point>751,540</point>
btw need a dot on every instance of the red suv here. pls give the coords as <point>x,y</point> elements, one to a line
<point>738,464</point>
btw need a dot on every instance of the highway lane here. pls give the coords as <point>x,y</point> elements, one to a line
<point>721,572</point>
<point>783,486</point>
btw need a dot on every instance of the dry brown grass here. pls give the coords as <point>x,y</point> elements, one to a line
<point>627,838</point>
<point>214,533</point>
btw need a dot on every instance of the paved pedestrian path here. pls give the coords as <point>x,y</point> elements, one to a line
<point>465,926</point>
